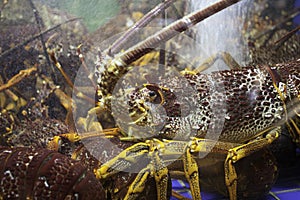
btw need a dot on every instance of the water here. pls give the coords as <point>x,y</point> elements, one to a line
<point>94,13</point>
<point>223,32</point>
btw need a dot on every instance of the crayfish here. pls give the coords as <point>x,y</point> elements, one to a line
<point>166,123</point>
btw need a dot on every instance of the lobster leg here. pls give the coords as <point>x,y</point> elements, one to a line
<point>191,173</point>
<point>235,152</point>
<point>125,159</point>
<point>133,155</point>
<point>293,123</point>
<point>152,151</point>
<point>160,173</point>
<point>156,166</point>
<point>138,184</point>
<point>224,56</point>
<point>242,151</point>
<point>73,137</point>
<point>17,100</point>
<point>17,78</point>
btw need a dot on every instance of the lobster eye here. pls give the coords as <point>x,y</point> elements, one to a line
<point>155,93</point>
<point>152,94</point>
<point>155,96</point>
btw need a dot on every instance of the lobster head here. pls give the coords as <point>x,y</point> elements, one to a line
<point>139,111</point>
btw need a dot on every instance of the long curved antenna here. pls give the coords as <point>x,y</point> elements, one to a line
<point>119,44</point>
<point>172,30</point>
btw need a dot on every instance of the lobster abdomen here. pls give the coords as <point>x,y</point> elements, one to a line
<point>44,174</point>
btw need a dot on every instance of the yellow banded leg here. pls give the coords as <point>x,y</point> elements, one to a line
<point>200,145</point>
<point>160,173</point>
<point>196,145</point>
<point>73,137</point>
<point>191,173</point>
<point>122,161</point>
<point>138,185</point>
<point>240,152</point>
<point>132,155</point>
<point>158,170</point>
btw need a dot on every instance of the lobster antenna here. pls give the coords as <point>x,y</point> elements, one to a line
<point>172,30</point>
<point>40,25</point>
<point>146,19</point>
<point>287,36</point>
<point>35,37</point>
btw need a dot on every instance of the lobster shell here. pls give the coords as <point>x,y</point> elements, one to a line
<point>29,173</point>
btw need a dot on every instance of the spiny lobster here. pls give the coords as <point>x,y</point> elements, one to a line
<point>252,103</point>
<point>180,122</point>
